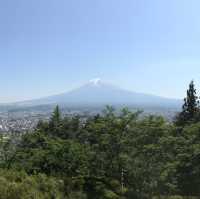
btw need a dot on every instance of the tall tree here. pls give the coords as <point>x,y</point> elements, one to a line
<point>55,119</point>
<point>190,109</point>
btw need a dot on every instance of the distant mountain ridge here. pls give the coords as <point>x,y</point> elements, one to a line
<point>97,92</point>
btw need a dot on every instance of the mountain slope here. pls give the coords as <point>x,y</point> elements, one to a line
<point>97,92</point>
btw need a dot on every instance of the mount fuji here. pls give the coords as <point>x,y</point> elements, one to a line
<point>99,93</point>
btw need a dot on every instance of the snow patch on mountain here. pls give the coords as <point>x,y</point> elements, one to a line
<point>95,81</point>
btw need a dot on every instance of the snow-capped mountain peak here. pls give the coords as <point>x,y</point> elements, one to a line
<point>95,81</point>
<point>98,92</point>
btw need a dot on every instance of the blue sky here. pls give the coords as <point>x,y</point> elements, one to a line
<point>52,46</point>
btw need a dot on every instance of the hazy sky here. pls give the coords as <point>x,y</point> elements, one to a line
<point>52,46</point>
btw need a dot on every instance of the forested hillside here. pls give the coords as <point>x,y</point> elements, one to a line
<point>107,156</point>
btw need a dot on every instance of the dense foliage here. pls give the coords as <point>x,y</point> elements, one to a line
<point>107,156</point>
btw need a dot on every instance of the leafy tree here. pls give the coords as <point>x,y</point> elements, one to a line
<point>39,153</point>
<point>188,167</point>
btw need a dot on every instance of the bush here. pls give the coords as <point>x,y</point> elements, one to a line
<point>18,185</point>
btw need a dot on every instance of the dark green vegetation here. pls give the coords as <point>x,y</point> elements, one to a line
<point>108,156</point>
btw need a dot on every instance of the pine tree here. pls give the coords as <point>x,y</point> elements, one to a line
<point>190,108</point>
<point>55,119</point>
